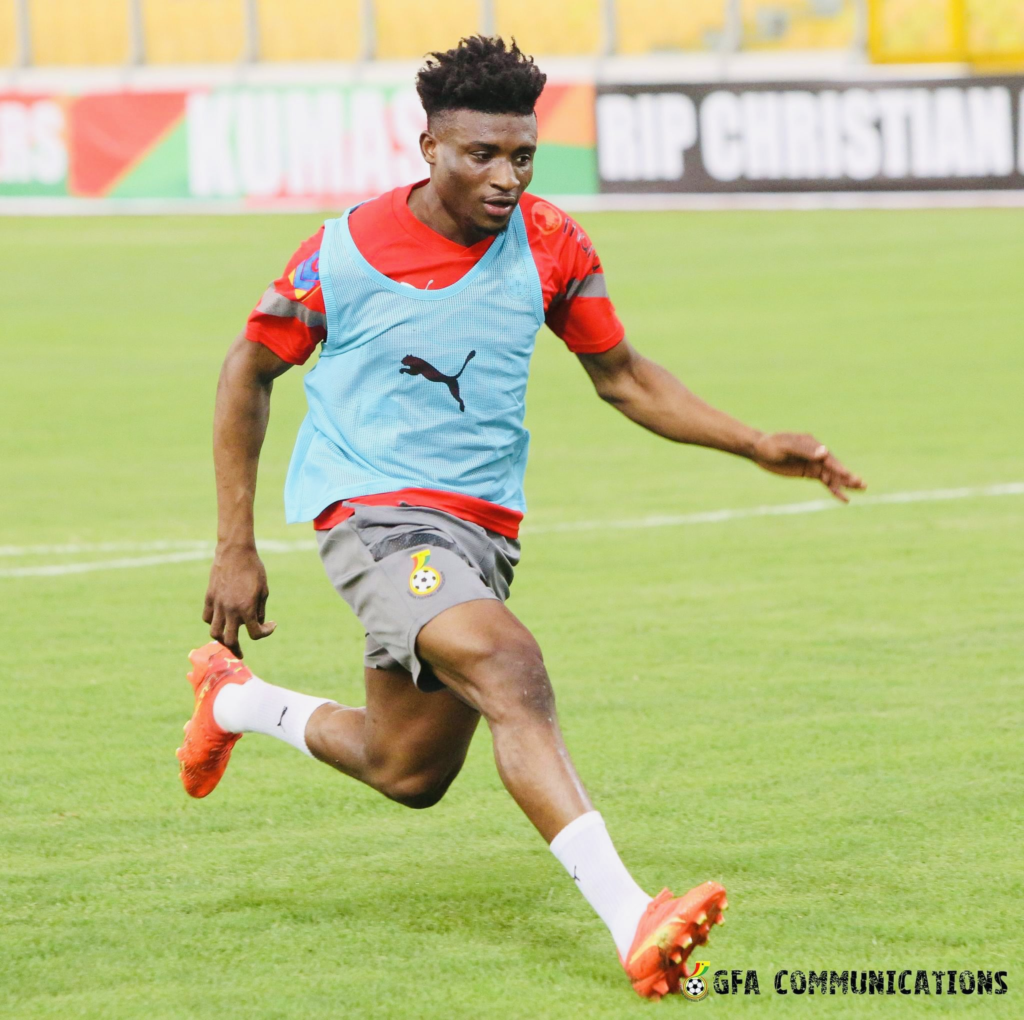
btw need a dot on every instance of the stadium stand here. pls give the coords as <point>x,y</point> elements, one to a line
<point>408,28</point>
<point>982,32</point>
<point>653,26</point>
<point>8,34</point>
<point>193,31</point>
<point>799,24</point>
<point>328,30</point>
<point>71,32</point>
<point>570,28</point>
<point>995,31</point>
<point>118,32</point>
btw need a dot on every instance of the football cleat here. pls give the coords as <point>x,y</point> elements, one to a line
<point>669,930</point>
<point>205,751</point>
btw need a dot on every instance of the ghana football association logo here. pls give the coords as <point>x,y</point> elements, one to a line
<point>696,988</point>
<point>424,579</point>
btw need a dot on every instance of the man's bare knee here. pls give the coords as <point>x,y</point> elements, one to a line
<point>419,790</point>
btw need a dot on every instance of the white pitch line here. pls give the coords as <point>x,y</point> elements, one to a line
<point>58,569</point>
<point>194,545</point>
<point>783,509</point>
<point>74,548</point>
<point>196,550</point>
<point>129,563</point>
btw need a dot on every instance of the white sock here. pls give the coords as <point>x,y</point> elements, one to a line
<point>586,852</point>
<point>259,707</point>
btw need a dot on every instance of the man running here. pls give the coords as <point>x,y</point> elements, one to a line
<point>427,301</point>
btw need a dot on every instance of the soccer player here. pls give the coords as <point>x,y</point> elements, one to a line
<point>426,302</point>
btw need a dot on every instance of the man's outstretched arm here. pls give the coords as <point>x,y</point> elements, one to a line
<point>654,398</point>
<point>238,591</point>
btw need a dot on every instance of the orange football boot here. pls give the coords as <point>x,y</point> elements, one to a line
<point>205,751</point>
<point>669,930</point>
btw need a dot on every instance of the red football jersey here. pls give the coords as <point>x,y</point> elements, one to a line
<point>290,317</point>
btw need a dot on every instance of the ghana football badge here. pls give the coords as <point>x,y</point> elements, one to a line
<point>696,987</point>
<point>423,580</point>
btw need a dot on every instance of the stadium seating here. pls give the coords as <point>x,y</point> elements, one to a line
<point>645,26</point>
<point>326,30</point>
<point>570,27</point>
<point>409,28</point>
<point>995,29</point>
<point>193,31</point>
<point>71,32</point>
<point>985,32</point>
<point>117,32</point>
<point>799,24</point>
<point>8,34</point>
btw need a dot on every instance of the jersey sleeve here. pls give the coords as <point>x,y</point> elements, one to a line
<point>290,318</point>
<point>577,306</point>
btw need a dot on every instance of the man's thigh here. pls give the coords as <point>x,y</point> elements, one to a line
<point>484,655</point>
<point>414,732</point>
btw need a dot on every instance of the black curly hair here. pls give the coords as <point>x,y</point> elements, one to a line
<point>480,74</point>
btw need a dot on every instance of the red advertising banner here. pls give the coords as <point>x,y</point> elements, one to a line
<point>257,147</point>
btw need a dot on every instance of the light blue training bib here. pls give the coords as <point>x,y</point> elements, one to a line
<point>419,388</point>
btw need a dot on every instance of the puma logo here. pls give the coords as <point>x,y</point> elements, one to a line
<point>417,366</point>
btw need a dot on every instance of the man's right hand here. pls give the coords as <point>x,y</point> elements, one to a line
<point>237,595</point>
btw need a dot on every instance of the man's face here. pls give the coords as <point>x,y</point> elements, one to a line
<point>481,163</point>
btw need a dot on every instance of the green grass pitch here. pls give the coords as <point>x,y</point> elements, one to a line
<point>822,711</point>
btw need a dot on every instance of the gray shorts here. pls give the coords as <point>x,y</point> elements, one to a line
<point>399,567</point>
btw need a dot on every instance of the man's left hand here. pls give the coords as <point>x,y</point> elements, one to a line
<point>803,456</point>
